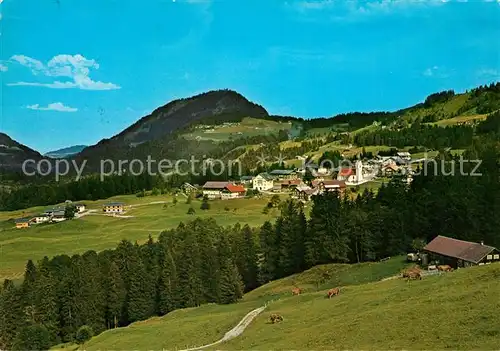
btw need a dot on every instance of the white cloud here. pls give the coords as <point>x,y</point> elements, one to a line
<point>55,106</point>
<point>3,68</point>
<point>75,67</point>
<point>489,73</point>
<point>357,9</point>
<point>428,72</point>
<point>438,72</point>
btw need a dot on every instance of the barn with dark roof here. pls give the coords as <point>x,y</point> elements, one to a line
<point>460,253</point>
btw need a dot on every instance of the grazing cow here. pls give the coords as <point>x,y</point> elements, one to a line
<point>276,318</point>
<point>444,268</point>
<point>296,291</point>
<point>333,292</point>
<point>412,275</point>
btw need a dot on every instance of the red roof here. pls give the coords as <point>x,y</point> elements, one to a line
<point>235,188</point>
<point>464,250</point>
<point>345,172</point>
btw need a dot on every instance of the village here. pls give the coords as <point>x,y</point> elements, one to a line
<point>278,181</point>
<point>293,182</point>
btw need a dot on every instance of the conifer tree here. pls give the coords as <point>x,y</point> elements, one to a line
<point>115,296</point>
<point>247,259</point>
<point>137,297</point>
<point>229,280</point>
<point>11,314</point>
<point>46,301</point>
<point>167,285</point>
<point>269,247</point>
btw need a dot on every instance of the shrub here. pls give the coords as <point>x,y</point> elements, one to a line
<point>33,337</point>
<point>84,334</point>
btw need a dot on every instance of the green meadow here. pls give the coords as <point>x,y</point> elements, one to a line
<point>148,216</point>
<point>246,128</point>
<point>457,310</point>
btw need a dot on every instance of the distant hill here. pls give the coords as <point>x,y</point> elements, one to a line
<point>13,154</point>
<point>212,107</point>
<point>155,133</point>
<point>65,152</point>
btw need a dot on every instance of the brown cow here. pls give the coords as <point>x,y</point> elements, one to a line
<point>444,268</point>
<point>276,318</point>
<point>333,292</point>
<point>413,275</point>
<point>296,291</point>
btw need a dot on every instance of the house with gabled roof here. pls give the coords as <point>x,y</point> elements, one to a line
<point>232,191</point>
<point>24,222</point>
<point>114,207</point>
<point>330,185</point>
<point>459,253</point>
<point>283,174</point>
<point>213,189</point>
<point>223,190</point>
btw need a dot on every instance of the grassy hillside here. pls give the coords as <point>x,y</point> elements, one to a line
<point>172,332</point>
<point>246,128</point>
<point>457,310</point>
<point>460,119</point>
<point>99,232</point>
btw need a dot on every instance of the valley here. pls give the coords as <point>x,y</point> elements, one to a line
<point>151,260</point>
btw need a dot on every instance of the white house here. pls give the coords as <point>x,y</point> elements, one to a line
<point>405,155</point>
<point>58,216</point>
<point>263,182</point>
<point>80,208</point>
<point>40,219</point>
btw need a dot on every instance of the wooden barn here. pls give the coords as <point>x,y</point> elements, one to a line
<point>460,253</point>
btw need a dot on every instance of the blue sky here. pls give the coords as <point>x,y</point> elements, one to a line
<point>74,72</point>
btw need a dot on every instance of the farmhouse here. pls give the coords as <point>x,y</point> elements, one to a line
<point>290,184</point>
<point>330,185</point>
<point>232,191</point>
<point>23,222</point>
<point>114,207</point>
<point>189,188</point>
<point>213,190</point>
<point>263,182</point>
<point>404,155</point>
<point>80,208</point>
<point>459,253</point>
<point>247,180</point>
<point>389,169</point>
<point>223,190</point>
<point>283,174</point>
<point>304,192</point>
<point>58,216</point>
<point>43,218</point>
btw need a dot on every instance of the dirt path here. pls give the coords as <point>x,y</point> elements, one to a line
<point>236,331</point>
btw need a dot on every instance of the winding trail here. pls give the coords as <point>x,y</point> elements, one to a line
<point>236,331</point>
